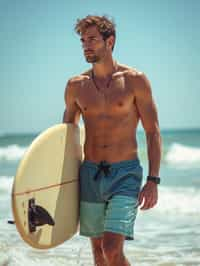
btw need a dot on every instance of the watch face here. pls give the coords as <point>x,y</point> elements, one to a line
<point>157,180</point>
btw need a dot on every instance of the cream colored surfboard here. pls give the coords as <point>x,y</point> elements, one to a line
<point>45,194</point>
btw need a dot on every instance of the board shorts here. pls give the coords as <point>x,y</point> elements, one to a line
<point>109,197</point>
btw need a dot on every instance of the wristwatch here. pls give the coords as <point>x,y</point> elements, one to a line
<point>154,179</point>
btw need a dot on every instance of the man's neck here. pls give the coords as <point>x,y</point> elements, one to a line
<point>105,68</point>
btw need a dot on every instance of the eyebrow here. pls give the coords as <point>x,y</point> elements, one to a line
<point>90,37</point>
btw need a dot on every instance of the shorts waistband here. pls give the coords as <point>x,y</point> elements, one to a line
<point>119,164</point>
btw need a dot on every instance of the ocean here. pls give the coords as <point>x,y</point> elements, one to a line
<point>167,235</point>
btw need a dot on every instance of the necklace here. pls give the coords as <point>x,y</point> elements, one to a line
<point>108,83</point>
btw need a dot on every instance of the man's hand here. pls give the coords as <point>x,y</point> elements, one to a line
<point>148,196</point>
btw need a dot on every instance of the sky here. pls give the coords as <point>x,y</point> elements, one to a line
<point>39,52</point>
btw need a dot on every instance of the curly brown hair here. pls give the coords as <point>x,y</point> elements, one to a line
<point>105,26</point>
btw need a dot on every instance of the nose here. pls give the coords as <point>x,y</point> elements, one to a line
<point>87,45</point>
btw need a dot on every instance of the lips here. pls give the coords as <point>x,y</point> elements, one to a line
<point>88,52</point>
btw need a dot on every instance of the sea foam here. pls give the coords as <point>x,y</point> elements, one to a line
<point>6,183</point>
<point>183,156</point>
<point>12,152</point>
<point>178,200</point>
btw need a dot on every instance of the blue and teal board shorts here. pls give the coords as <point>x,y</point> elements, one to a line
<point>109,197</point>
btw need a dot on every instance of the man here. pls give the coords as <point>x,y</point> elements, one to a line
<point>111,98</point>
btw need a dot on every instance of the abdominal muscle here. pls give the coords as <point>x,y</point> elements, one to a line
<point>110,139</point>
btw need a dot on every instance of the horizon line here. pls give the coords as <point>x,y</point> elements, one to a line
<point>138,130</point>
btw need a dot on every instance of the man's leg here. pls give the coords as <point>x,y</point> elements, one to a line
<point>113,249</point>
<point>97,249</point>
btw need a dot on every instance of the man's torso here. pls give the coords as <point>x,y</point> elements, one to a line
<point>110,116</point>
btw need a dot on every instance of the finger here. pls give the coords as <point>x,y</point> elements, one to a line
<point>155,199</point>
<point>150,200</point>
<point>147,202</point>
<point>153,202</point>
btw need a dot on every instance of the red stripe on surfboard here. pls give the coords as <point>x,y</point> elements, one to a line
<point>43,188</point>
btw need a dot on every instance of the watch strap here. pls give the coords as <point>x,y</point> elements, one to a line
<point>154,179</point>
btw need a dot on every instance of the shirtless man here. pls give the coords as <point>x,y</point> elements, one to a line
<point>111,98</point>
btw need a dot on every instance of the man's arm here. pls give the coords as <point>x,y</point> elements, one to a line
<point>72,111</point>
<point>149,118</point>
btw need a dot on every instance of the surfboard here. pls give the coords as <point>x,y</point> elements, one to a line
<point>45,192</point>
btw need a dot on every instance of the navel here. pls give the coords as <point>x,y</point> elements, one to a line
<point>120,103</point>
<point>105,146</point>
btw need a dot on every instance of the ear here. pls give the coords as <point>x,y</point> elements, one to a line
<point>110,42</point>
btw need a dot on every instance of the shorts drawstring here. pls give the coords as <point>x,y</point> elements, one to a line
<point>102,166</point>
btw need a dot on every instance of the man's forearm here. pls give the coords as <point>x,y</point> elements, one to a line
<point>154,147</point>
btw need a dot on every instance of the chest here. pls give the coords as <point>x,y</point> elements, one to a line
<point>115,99</point>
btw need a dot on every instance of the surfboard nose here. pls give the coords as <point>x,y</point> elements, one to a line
<point>38,216</point>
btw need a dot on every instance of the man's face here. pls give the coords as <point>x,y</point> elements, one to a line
<point>94,46</point>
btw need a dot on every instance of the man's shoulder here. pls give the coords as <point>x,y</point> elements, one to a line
<point>129,71</point>
<point>134,76</point>
<point>136,79</point>
<point>79,79</point>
